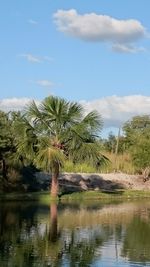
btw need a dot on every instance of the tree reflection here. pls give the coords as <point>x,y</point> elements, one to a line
<point>26,242</point>
<point>41,236</point>
<point>15,222</point>
<point>72,247</point>
<point>136,244</point>
<point>80,251</point>
<point>53,225</point>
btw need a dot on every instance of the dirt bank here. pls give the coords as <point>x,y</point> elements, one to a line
<point>93,181</point>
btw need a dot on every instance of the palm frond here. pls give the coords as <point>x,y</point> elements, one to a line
<point>93,122</point>
<point>91,153</point>
<point>48,157</point>
<point>74,113</point>
<point>62,128</point>
<point>33,112</point>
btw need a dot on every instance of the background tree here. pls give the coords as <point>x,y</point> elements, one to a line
<point>6,142</point>
<point>17,151</point>
<point>137,134</point>
<point>25,139</point>
<point>110,143</point>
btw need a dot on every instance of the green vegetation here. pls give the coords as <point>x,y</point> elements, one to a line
<point>121,194</point>
<point>44,197</point>
<point>133,145</point>
<point>41,197</point>
<point>137,133</point>
<point>49,134</point>
<point>64,132</point>
<point>57,135</point>
<point>122,163</point>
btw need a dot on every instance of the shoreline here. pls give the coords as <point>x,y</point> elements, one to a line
<point>44,197</point>
<point>87,186</point>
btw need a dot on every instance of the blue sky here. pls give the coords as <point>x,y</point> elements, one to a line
<point>97,52</point>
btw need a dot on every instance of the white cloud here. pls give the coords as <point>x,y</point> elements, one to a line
<point>45,83</point>
<point>14,103</point>
<point>126,48</point>
<point>49,59</point>
<point>100,28</point>
<point>36,59</point>
<point>33,22</point>
<point>31,58</point>
<point>115,110</point>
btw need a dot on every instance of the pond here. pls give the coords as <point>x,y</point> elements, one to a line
<point>75,234</point>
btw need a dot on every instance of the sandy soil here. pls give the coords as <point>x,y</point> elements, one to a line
<point>94,181</point>
<point>107,181</point>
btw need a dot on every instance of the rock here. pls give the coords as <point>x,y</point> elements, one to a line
<point>83,185</point>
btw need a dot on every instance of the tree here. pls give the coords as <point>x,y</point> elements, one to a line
<point>17,150</point>
<point>25,138</point>
<point>6,141</point>
<point>137,134</point>
<point>110,143</point>
<point>64,132</point>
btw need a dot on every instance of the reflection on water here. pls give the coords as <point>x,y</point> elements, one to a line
<point>75,235</point>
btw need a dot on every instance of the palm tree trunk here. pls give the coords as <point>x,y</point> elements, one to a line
<point>55,184</point>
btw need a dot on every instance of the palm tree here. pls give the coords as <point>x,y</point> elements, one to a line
<point>64,131</point>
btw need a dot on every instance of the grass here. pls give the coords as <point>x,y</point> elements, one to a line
<point>79,168</point>
<point>121,162</point>
<point>121,194</point>
<point>44,197</point>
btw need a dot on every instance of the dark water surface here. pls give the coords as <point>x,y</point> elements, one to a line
<point>84,234</point>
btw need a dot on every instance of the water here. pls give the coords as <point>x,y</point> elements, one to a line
<point>81,234</point>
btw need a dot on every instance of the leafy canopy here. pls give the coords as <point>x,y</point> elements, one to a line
<point>65,131</point>
<point>137,133</point>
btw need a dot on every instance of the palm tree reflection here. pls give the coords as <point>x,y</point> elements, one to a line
<point>26,241</point>
<point>53,234</point>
